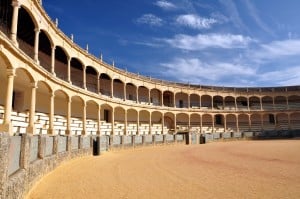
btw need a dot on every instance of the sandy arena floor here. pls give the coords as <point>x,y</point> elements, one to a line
<point>245,169</point>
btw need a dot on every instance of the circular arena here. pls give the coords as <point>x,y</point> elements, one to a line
<point>59,102</point>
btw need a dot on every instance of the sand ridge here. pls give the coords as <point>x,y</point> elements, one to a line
<point>244,169</point>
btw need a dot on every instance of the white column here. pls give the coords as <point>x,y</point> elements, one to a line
<point>83,119</point>
<point>112,88</point>
<point>162,98</point>
<point>36,45</point>
<point>175,124</point>
<point>225,123</point>
<point>150,125</point>
<point>149,97</point>
<point>112,122</point>
<point>53,60</point>
<point>14,24</point>
<point>237,124</point>
<point>125,122</point>
<point>98,83</point>
<point>189,101</point>
<point>30,129</point>
<point>138,123</point>
<point>69,70</point>
<point>84,77</point>
<point>162,122</point>
<point>124,92</point>
<point>6,126</point>
<point>69,112</point>
<point>99,120</point>
<point>51,115</point>
<point>213,123</point>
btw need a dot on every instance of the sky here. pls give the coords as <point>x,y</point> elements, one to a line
<point>240,43</point>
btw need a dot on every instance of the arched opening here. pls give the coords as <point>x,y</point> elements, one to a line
<point>42,108</point>
<point>105,84</point>
<point>119,125</point>
<point>195,123</point>
<point>206,102</point>
<point>242,103</point>
<point>155,97</point>
<point>219,123</point>
<point>26,34</point>
<point>61,63</point>
<point>156,122</point>
<point>76,72</point>
<point>45,51</point>
<point>229,103</point>
<point>118,87</point>
<point>91,118</point>
<point>106,119</point>
<point>280,103</point>
<point>131,92</point>
<point>77,115</point>
<point>255,122</point>
<point>269,122</point>
<point>21,100</point>
<point>60,112</point>
<point>294,102</point>
<point>282,121</point>
<point>168,99</point>
<point>267,103</point>
<point>181,100</point>
<point>132,122</point>
<point>182,122</point>
<point>144,118</point>
<point>169,126</point>
<point>254,103</point>
<point>243,122</point>
<point>91,79</point>
<point>143,94</point>
<point>194,101</point>
<point>207,123</point>
<point>231,123</point>
<point>218,102</point>
<point>6,11</point>
<point>295,121</point>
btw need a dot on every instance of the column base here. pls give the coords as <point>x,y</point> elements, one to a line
<point>7,128</point>
<point>30,130</point>
<point>50,131</point>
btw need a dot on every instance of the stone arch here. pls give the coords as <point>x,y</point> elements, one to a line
<point>207,123</point>
<point>92,108</point>
<point>105,84</point>
<point>91,79</point>
<point>181,100</point>
<point>194,100</point>
<point>169,121</point>
<point>229,103</point>
<point>118,86</point>
<point>243,122</point>
<point>144,119</point>
<point>195,122</point>
<point>77,70</point>
<point>60,111</point>
<point>131,92</point>
<point>231,123</point>
<point>77,114</point>
<point>143,95</point>
<point>155,97</point>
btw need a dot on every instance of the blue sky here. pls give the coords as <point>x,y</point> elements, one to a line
<point>207,42</point>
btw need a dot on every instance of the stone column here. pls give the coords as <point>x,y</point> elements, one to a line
<point>112,122</point>
<point>138,123</point>
<point>137,95</point>
<point>84,119</point>
<point>237,124</point>
<point>162,98</point>
<point>201,124</point>
<point>99,120</point>
<point>174,100</point>
<point>53,60</point>
<point>51,115</point>
<point>98,84</point>
<point>124,92</point>
<point>84,78</point>
<point>125,122</point>
<point>235,103</point>
<point>31,127</point>
<point>261,106</point>
<point>6,126</point>
<point>162,123</point>
<point>68,131</point>
<point>149,97</point>
<point>150,125</point>
<point>189,101</point>
<point>69,70</point>
<point>225,123</point>
<point>175,128</point>
<point>248,103</point>
<point>250,123</point>
<point>112,88</point>
<point>14,24</point>
<point>36,45</point>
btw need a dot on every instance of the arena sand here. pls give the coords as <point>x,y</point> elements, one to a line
<point>244,169</point>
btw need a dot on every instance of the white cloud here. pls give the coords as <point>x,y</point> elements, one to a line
<point>195,71</point>
<point>277,50</point>
<point>166,5</point>
<point>195,21</point>
<point>202,41</point>
<point>150,19</point>
<point>283,77</point>
<point>254,13</point>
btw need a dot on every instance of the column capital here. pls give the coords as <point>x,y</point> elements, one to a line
<point>37,30</point>
<point>11,72</point>
<point>33,85</point>
<point>16,3</point>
